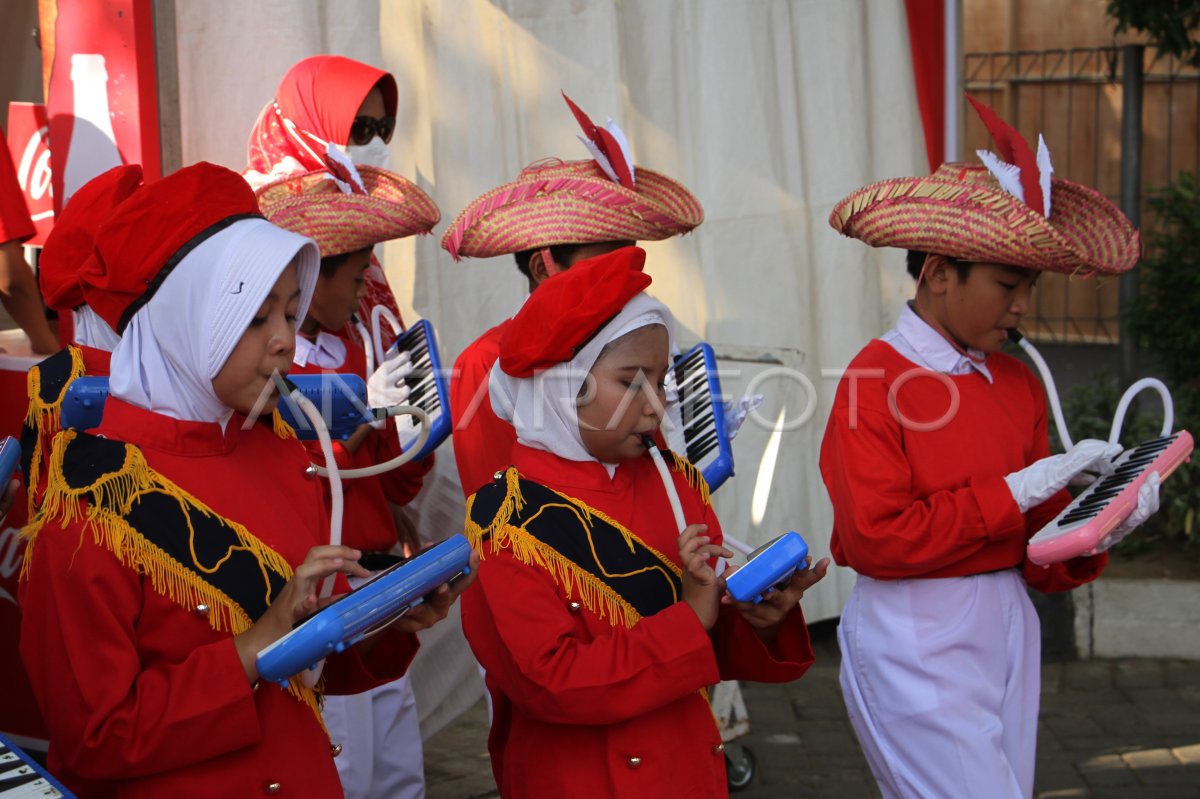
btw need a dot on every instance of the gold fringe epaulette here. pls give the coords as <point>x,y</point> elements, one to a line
<point>282,429</point>
<point>103,505</point>
<point>44,415</point>
<point>694,476</point>
<point>504,532</point>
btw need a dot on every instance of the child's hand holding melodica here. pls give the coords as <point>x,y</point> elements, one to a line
<point>702,588</point>
<point>766,616</point>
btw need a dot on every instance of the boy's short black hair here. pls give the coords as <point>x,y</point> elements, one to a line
<point>916,262</point>
<point>330,263</point>
<point>560,252</point>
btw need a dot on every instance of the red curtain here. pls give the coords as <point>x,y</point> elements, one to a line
<point>927,40</point>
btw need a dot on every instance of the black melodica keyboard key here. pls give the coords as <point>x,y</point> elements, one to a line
<point>1110,487</point>
<point>699,422</point>
<point>419,391</point>
<point>698,449</point>
<point>1101,497</point>
<point>17,780</point>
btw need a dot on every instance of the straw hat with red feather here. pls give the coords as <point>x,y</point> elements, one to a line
<point>557,202</point>
<point>1008,211</point>
<point>348,208</point>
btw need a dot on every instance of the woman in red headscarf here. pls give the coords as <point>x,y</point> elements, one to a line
<point>325,102</point>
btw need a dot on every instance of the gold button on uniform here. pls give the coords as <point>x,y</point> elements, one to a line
<point>718,749</point>
<point>273,787</point>
<point>335,749</point>
<point>633,762</point>
<point>202,609</point>
<point>574,606</point>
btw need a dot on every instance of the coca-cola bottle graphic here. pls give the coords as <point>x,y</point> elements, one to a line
<point>93,147</point>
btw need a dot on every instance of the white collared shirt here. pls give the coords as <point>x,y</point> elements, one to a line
<point>326,351</point>
<point>920,343</point>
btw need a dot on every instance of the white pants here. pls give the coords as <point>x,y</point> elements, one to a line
<point>380,734</point>
<point>942,680</point>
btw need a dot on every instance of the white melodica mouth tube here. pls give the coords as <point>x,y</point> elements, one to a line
<point>1114,433</point>
<point>673,496</point>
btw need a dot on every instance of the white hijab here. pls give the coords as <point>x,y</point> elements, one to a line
<point>92,331</point>
<point>543,408</point>
<point>177,342</point>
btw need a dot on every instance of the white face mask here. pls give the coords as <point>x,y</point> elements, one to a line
<point>374,153</point>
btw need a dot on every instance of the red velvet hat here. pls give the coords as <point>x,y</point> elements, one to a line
<point>149,233</point>
<point>568,308</point>
<point>70,243</point>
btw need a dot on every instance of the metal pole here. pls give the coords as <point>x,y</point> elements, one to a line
<point>952,102</point>
<point>1132,56</point>
<point>167,71</point>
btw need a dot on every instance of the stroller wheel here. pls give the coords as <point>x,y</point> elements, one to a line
<point>739,766</point>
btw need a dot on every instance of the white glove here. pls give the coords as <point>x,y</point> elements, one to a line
<point>1042,479</point>
<point>386,387</point>
<point>736,412</point>
<point>1147,506</point>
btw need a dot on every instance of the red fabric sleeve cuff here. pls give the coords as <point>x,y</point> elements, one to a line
<point>744,656</point>
<point>388,660</point>
<point>1064,576</point>
<point>1001,516</point>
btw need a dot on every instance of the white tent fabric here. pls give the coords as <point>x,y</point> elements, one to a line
<point>770,111</point>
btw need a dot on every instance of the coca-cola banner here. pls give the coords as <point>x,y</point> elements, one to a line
<point>29,144</point>
<point>103,95</point>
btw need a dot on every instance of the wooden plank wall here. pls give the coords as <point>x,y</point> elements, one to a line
<point>1038,63</point>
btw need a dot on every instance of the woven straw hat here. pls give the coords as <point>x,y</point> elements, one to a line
<point>960,211</point>
<point>571,202</point>
<point>314,205</point>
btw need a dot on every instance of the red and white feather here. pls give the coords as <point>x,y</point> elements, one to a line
<point>1045,170</point>
<point>343,172</point>
<point>607,145</point>
<point>1016,168</point>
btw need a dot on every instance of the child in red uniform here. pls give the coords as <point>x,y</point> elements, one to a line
<point>598,623</point>
<point>347,224</point>
<point>552,216</point>
<point>379,730</point>
<point>937,461</point>
<point>67,248</point>
<point>183,538</point>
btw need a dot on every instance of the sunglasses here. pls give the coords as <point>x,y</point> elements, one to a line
<point>365,128</point>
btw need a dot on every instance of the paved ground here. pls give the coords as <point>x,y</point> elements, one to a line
<point>1110,729</point>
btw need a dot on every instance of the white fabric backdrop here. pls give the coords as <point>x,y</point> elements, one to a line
<point>769,110</point>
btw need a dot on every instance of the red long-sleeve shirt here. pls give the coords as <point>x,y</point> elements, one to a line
<point>483,442</point>
<point>914,462</point>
